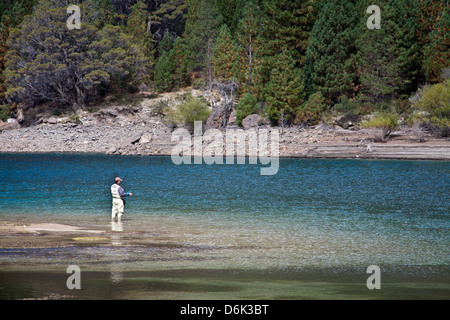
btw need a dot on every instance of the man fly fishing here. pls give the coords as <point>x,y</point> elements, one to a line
<point>118,203</point>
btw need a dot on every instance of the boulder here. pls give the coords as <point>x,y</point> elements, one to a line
<point>136,137</point>
<point>51,120</point>
<point>346,121</point>
<point>146,138</point>
<point>252,121</point>
<point>113,112</point>
<point>111,150</point>
<point>11,124</point>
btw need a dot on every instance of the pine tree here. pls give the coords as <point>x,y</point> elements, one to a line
<point>330,56</point>
<point>231,11</point>
<point>166,43</point>
<point>387,57</point>
<point>223,56</point>
<point>103,13</point>
<point>248,44</point>
<point>178,56</point>
<point>284,92</point>
<point>433,37</point>
<point>164,66</point>
<point>202,26</point>
<point>163,72</point>
<point>406,42</point>
<point>287,26</point>
<point>170,15</point>
<point>310,112</point>
<point>137,29</point>
<point>437,52</point>
<point>240,12</point>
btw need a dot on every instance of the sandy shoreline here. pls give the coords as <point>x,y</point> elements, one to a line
<point>46,235</point>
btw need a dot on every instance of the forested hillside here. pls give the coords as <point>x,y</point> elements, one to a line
<point>290,61</point>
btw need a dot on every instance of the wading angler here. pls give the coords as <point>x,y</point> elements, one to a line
<point>235,146</point>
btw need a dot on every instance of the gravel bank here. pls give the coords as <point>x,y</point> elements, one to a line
<point>138,130</point>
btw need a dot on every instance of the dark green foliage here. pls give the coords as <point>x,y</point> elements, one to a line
<point>231,12</point>
<point>103,13</point>
<point>247,105</point>
<point>387,57</point>
<point>165,67</point>
<point>330,66</point>
<point>224,56</point>
<point>163,73</point>
<point>284,92</point>
<point>167,42</point>
<point>287,27</point>
<point>137,29</point>
<point>433,25</point>
<point>248,47</point>
<point>347,107</point>
<point>284,35</point>
<point>169,15</point>
<point>5,112</point>
<point>11,16</point>
<point>407,46</point>
<point>5,5</point>
<point>178,57</point>
<point>202,27</point>
<point>49,62</point>
<point>281,52</point>
<point>310,112</point>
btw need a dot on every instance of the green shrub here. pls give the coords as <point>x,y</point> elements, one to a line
<point>311,112</point>
<point>191,109</point>
<point>385,121</point>
<point>199,84</point>
<point>5,112</point>
<point>347,107</point>
<point>160,108</point>
<point>435,101</point>
<point>74,118</point>
<point>247,105</point>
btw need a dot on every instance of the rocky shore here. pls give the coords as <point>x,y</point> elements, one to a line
<point>138,129</point>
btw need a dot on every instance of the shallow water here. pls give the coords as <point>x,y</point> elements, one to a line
<point>225,232</point>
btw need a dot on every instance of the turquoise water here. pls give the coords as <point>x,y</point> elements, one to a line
<point>315,219</point>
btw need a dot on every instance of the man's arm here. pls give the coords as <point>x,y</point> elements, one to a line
<point>122,192</point>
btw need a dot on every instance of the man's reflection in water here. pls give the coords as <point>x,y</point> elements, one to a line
<point>116,256</point>
<point>117,226</point>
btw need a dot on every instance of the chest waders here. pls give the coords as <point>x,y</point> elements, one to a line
<point>118,203</point>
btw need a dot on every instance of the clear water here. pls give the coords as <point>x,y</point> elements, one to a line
<point>225,231</point>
